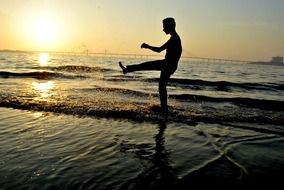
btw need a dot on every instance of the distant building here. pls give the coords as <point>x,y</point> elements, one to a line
<point>277,60</point>
<point>274,61</point>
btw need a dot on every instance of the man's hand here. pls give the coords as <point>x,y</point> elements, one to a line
<point>145,45</point>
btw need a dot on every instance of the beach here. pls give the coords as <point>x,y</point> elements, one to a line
<point>56,151</point>
<point>76,122</point>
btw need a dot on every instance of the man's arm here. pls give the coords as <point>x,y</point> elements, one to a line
<point>155,49</point>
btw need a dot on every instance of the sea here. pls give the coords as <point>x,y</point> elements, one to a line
<point>75,121</point>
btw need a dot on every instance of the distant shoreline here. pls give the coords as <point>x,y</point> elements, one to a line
<point>206,59</point>
<point>79,53</point>
<point>14,51</point>
<point>269,63</point>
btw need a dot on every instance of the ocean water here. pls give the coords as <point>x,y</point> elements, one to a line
<point>75,121</point>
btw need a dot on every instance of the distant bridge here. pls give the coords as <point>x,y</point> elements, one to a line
<point>142,56</point>
<point>201,59</point>
<point>216,60</point>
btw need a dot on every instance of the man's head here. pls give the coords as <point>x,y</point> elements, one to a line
<point>169,25</point>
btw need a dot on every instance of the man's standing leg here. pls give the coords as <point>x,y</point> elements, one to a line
<point>164,79</point>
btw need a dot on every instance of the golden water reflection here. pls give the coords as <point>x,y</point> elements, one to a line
<point>43,59</point>
<point>43,88</point>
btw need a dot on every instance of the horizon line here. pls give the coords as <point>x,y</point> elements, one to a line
<point>86,52</point>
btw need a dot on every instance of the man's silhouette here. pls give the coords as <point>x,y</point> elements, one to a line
<point>167,66</point>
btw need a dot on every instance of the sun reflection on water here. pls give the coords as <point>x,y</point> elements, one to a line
<point>44,89</point>
<point>43,59</point>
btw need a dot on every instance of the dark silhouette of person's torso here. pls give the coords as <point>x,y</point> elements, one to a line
<point>174,49</point>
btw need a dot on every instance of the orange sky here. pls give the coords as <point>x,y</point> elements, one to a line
<point>247,30</point>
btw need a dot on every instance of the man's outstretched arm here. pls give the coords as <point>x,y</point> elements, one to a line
<point>155,49</point>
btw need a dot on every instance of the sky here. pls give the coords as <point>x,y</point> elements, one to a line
<point>230,29</point>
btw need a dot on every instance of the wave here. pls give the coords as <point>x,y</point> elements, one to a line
<point>140,111</point>
<point>273,105</point>
<point>47,72</point>
<point>119,90</point>
<point>37,75</point>
<point>248,102</point>
<point>221,85</point>
<point>77,68</point>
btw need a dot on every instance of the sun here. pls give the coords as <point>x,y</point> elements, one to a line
<point>44,30</point>
<point>41,31</point>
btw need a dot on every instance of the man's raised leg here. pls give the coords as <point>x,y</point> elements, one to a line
<point>124,69</point>
<point>146,66</point>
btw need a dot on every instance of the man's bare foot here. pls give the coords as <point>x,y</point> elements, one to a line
<point>124,70</point>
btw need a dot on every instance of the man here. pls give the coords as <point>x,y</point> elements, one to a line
<point>167,66</point>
